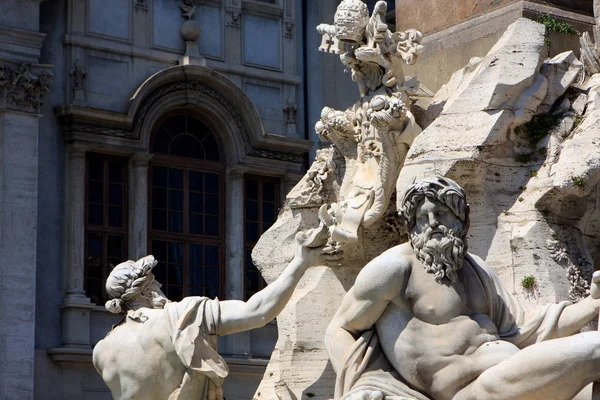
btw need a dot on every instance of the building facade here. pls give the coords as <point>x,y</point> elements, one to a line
<point>123,132</point>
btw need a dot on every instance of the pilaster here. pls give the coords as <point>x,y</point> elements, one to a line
<point>21,85</point>
<point>138,205</point>
<point>237,345</point>
<point>76,307</point>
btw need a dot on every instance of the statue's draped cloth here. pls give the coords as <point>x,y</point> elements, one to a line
<point>365,366</point>
<point>194,326</point>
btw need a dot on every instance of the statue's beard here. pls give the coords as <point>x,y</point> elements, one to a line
<point>442,257</point>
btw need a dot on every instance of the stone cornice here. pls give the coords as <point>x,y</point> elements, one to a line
<point>22,85</point>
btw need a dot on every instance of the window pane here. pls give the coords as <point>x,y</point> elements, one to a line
<point>174,293</point>
<point>251,189</point>
<point>212,183</point>
<point>176,200</point>
<point>175,125</point>
<point>159,220</point>
<point>212,277</point>
<point>175,178</point>
<point>175,221</point>
<point>96,169</point>
<point>268,191</point>
<point>196,277</point>
<point>94,290</point>
<point>161,142</point>
<point>196,224</point>
<point>196,179</point>
<point>94,245</point>
<point>269,212</point>
<point>159,176</point>
<point>212,148</point>
<point>95,214</point>
<point>252,210</point>
<point>115,172</point>
<point>212,204</point>
<point>196,291</point>
<point>212,293</point>
<point>159,198</point>
<point>160,272</point>
<point>95,192</point>
<point>212,225</point>
<point>251,281</point>
<point>115,217</point>
<point>197,128</point>
<point>175,253</point>
<point>115,194</point>
<point>252,234</point>
<point>115,246</point>
<point>187,146</point>
<point>196,202</point>
<point>159,250</point>
<point>211,256</point>
<point>175,274</point>
<point>195,254</point>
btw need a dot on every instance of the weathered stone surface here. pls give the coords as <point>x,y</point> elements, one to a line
<point>560,71</point>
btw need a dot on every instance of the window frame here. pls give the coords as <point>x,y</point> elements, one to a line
<point>105,230</point>
<point>185,238</point>
<point>249,245</point>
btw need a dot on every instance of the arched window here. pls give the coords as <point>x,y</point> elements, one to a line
<point>186,221</point>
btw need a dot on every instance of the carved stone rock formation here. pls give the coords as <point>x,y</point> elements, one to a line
<point>509,127</point>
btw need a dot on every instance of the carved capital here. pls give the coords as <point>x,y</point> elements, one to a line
<point>235,16</point>
<point>236,173</point>
<point>21,86</point>
<point>141,160</point>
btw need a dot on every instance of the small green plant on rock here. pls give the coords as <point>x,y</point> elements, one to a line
<point>554,25</point>
<point>529,284</point>
<point>578,181</point>
<point>538,127</point>
<point>532,174</point>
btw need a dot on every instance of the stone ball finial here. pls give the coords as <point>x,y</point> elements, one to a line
<point>351,19</point>
<point>190,31</point>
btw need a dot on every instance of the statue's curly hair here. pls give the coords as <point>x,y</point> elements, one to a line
<point>126,282</point>
<point>439,188</point>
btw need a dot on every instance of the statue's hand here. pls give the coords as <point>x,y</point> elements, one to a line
<point>595,286</point>
<point>309,256</point>
<point>367,395</point>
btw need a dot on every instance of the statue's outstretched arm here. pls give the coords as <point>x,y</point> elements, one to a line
<point>264,306</point>
<point>576,316</point>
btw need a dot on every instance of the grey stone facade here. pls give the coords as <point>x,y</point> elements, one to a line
<point>96,76</point>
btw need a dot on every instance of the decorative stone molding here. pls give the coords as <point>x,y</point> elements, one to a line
<point>71,129</point>
<point>195,87</point>
<point>79,75</point>
<point>141,5</point>
<point>188,9</point>
<point>275,155</point>
<point>288,25</point>
<point>290,112</point>
<point>21,86</point>
<point>235,16</point>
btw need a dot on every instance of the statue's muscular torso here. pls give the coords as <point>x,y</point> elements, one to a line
<point>429,331</point>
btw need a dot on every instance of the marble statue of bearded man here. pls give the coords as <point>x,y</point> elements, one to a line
<point>427,320</point>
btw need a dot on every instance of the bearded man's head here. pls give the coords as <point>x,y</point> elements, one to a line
<point>440,248</point>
